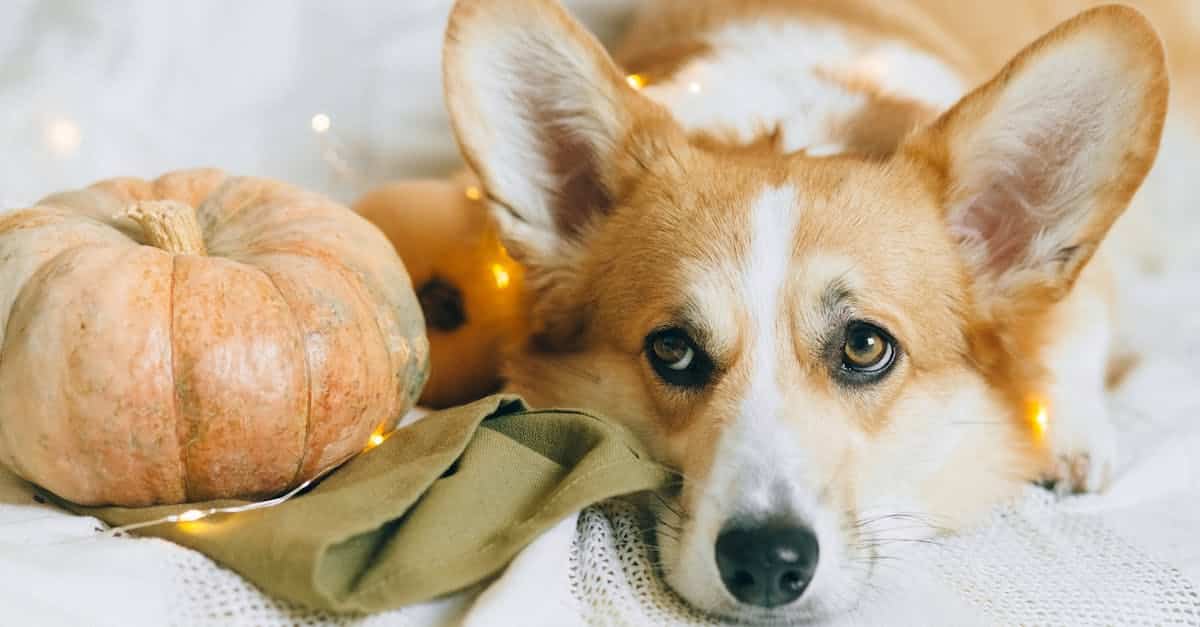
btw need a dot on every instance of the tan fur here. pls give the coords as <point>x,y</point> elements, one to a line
<point>636,224</point>
<point>978,41</point>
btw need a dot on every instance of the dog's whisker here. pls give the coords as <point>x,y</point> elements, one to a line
<point>889,541</point>
<point>666,504</point>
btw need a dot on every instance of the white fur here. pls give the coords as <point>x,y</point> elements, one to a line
<point>901,70</point>
<point>754,458</point>
<point>759,467</point>
<point>943,439</point>
<point>774,216</point>
<point>1079,430</point>
<point>761,74</point>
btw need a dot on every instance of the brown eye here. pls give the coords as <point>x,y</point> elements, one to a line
<point>867,350</point>
<point>673,351</point>
<point>677,360</point>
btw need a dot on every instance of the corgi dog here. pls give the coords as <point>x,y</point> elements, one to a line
<point>833,261</point>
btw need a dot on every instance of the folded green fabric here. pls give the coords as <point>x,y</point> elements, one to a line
<point>440,505</point>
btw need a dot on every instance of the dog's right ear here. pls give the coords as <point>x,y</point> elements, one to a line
<point>540,112</point>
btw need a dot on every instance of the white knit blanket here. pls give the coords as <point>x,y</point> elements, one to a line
<point>90,90</point>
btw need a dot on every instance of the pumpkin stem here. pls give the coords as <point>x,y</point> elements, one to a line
<point>169,225</point>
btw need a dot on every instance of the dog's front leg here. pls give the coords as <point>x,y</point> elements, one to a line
<point>1079,349</point>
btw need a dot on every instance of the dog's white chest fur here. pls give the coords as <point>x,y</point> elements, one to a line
<point>761,76</point>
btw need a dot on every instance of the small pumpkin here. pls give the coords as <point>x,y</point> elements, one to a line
<point>469,288</point>
<point>196,337</point>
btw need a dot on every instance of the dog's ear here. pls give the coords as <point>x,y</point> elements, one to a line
<point>540,112</point>
<point>1038,163</point>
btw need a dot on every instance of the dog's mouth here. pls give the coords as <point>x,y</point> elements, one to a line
<point>685,552</point>
<point>688,558</point>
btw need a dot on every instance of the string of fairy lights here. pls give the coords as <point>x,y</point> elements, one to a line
<point>194,515</point>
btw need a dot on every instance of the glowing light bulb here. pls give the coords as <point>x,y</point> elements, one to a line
<point>694,87</point>
<point>320,123</point>
<point>376,440</point>
<point>502,276</point>
<point>1039,418</point>
<point>474,193</point>
<point>636,81</point>
<point>63,136</point>
<point>192,515</point>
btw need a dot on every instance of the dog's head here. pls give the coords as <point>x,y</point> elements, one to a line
<point>830,351</point>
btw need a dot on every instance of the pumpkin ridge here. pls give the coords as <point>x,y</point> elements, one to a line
<point>61,214</point>
<point>181,440</point>
<point>36,277</point>
<point>30,219</point>
<point>216,198</point>
<point>6,456</point>
<point>42,266</point>
<point>308,387</point>
<point>15,221</point>
<point>350,276</point>
<point>186,186</point>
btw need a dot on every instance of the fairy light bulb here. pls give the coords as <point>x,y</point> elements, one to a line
<point>500,273</point>
<point>636,81</point>
<point>320,123</point>
<point>192,515</point>
<point>63,136</point>
<point>474,193</point>
<point>375,440</point>
<point>1039,418</point>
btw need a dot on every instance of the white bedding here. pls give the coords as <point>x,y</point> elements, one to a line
<point>91,90</point>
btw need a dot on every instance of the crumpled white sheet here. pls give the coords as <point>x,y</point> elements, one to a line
<point>91,90</point>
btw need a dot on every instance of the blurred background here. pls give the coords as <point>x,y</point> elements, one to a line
<point>333,96</point>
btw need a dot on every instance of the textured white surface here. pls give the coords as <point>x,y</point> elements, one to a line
<point>90,90</point>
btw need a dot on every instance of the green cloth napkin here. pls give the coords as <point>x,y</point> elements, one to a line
<point>440,505</point>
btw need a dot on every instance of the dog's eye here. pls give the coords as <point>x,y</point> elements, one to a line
<point>674,351</point>
<point>676,359</point>
<point>867,350</point>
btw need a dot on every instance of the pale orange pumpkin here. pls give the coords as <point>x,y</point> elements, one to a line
<point>469,288</point>
<point>196,337</point>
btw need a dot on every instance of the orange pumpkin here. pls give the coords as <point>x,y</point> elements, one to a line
<point>196,337</point>
<point>469,289</point>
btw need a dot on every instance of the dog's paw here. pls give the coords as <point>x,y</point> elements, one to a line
<point>1083,454</point>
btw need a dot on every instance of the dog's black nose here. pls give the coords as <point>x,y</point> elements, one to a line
<point>769,565</point>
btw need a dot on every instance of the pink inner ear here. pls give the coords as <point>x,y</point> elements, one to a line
<point>998,221</point>
<point>1025,196</point>
<point>578,193</point>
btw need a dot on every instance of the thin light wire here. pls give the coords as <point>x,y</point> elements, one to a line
<point>193,515</point>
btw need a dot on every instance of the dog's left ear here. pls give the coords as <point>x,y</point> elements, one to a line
<point>543,115</point>
<point>548,122</point>
<point>1038,163</point>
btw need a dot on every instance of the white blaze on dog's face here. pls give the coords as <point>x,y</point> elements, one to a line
<point>829,350</point>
